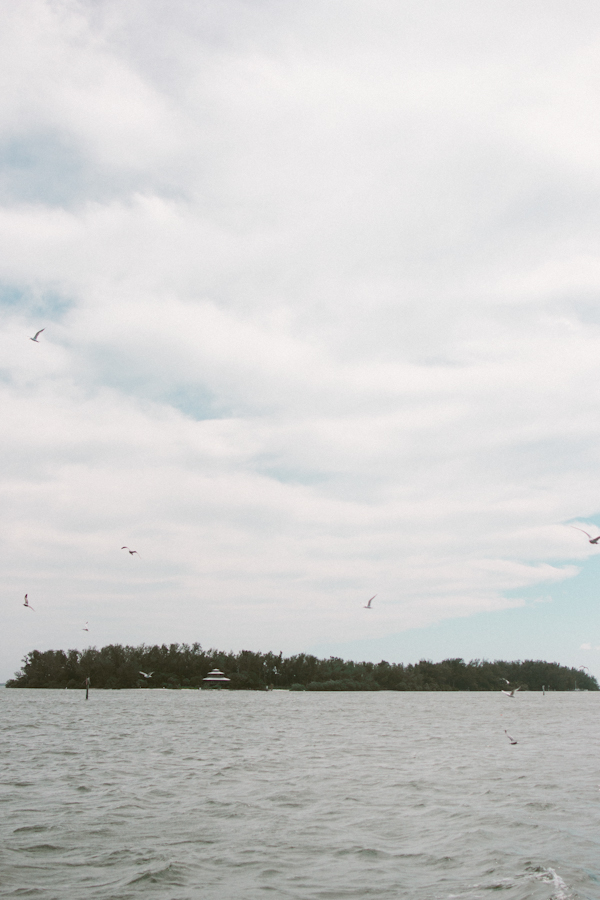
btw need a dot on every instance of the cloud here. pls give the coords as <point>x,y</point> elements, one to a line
<point>319,298</point>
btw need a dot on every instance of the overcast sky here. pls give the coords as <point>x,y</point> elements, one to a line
<point>320,287</point>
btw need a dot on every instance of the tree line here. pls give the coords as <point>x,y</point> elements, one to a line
<point>183,666</point>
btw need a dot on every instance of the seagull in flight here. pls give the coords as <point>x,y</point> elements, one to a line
<point>368,605</point>
<point>131,552</point>
<point>36,336</point>
<point>85,627</point>
<point>27,604</point>
<point>511,739</point>
<point>591,539</point>
<point>511,693</point>
<point>146,674</point>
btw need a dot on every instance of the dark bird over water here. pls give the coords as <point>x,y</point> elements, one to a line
<point>368,605</point>
<point>591,539</point>
<point>36,335</point>
<point>511,739</point>
<point>27,604</point>
<point>131,552</point>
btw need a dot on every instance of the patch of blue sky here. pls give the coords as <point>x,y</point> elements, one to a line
<point>579,593</point>
<point>114,370</point>
<point>46,304</point>
<point>553,624</point>
<point>13,296</point>
<point>52,169</point>
<point>194,402</point>
<point>42,168</point>
<point>289,474</point>
<point>582,306</point>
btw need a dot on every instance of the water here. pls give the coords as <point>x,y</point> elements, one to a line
<point>240,796</point>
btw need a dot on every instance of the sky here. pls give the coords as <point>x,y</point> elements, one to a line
<point>319,285</point>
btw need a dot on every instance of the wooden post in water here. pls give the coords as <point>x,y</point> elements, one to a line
<point>87,688</point>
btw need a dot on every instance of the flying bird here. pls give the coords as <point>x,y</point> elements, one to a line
<point>511,693</point>
<point>27,604</point>
<point>146,674</point>
<point>591,539</point>
<point>85,627</point>
<point>36,336</point>
<point>131,552</point>
<point>368,605</point>
<point>511,739</point>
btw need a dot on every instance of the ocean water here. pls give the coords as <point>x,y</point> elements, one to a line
<point>239,796</point>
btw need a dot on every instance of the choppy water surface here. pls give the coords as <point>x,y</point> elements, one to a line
<point>237,796</point>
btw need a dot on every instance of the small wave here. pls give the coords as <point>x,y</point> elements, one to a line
<point>29,892</point>
<point>365,853</point>
<point>120,857</point>
<point>43,848</point>
<point>168,875</point>
<point>370,853</point>
<point>561,891</point>
<point>20,726</point>
<point>193,842</point>
<point>538,873</point>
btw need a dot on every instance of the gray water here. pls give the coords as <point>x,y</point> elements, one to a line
<point>240,796</point>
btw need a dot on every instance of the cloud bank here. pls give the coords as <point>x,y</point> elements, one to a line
<point>319,289</point>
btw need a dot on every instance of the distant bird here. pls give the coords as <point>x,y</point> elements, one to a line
<point>36,336</point>
<point>511,739</point>
<point>147,674</point>
<point>511,693</point>
<point>131,552</point>
<point>591,539</point>
<point>368,605</point>
<point>27,604</point>
<point>85,628</point>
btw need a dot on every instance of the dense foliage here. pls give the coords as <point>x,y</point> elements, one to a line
<point>182,666</point>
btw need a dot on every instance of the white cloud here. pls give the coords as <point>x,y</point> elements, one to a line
<point>320,315</point>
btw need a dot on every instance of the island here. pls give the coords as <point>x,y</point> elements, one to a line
<point>180,666</point>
